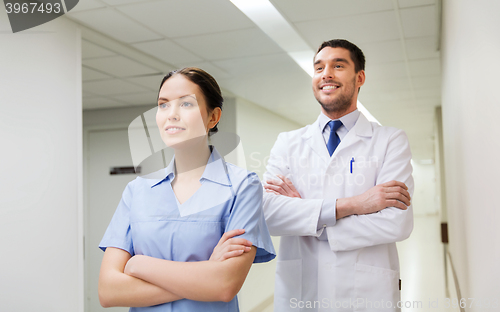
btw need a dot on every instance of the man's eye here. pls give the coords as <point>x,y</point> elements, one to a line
<point>338,66</point>
<point>319,68</point>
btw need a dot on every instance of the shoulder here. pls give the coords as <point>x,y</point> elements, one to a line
<point>147,181</point>
<point>393,140</point>
<point>388,133</point>
<point>292,139</point>
<point>237,175</point>
<point>240,177</point>
<point>297,133</point>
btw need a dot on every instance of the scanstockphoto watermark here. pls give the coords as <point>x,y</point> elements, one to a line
<point>27,14</point>
<point>353,303</point>
<point>431,303</point>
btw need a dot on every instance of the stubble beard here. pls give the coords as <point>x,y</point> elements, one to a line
<point>340,104</point>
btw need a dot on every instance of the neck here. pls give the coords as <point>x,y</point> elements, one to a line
<point>338,114</point>
<point>191,160</point>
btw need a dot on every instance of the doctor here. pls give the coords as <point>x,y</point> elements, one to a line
<point>334,197</point>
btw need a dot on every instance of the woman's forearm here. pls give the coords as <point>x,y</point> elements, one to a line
<point>123,290</point>
<point>201,281</point>
<point>117,289</point>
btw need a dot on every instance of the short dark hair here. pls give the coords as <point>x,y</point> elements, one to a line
<point>209,88</point>
<point>357,55</point>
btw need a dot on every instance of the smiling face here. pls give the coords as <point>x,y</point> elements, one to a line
<point>182,115</point>
<point>335,82</point>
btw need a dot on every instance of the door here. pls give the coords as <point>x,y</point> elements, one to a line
<point>105,149</point>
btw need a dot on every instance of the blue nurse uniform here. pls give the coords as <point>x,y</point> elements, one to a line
<point>150,221</point>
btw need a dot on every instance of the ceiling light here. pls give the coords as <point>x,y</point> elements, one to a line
<point>273,24</point>
<point>367,114</point>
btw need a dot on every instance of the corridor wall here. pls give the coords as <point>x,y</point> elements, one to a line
<point>41,224</point>
<point>471,108</point>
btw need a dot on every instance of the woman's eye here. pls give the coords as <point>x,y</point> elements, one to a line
<point>162,105</point>
<point>186,104</point>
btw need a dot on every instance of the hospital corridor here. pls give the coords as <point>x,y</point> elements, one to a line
<point>81,118</point>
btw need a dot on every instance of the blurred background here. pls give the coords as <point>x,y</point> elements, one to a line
<point>70,88</point>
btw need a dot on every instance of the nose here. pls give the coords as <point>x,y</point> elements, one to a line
<point>173,113</point>
<point>328,73</point>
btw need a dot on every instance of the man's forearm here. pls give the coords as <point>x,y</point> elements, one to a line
<point>287,216</point>
<point>345,207</point>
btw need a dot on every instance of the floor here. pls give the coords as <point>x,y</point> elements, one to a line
<point>421,258</point>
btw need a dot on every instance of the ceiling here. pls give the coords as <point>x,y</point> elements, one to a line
<point>129,44</point>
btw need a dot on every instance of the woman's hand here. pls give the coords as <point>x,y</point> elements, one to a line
<point>229,247</point>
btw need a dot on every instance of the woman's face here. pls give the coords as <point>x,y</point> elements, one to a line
<point>182,115</point>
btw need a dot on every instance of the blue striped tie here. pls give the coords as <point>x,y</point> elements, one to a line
<point>334,139</point>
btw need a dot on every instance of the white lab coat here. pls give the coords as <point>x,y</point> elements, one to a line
<point>359,259</point>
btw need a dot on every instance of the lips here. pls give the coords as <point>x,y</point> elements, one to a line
<point>329,86</point>
<point>174,129</point>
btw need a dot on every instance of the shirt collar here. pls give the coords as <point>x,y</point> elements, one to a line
<point>215,170</point>
<point>348,120</point>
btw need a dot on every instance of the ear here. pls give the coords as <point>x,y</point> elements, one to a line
<point>214,117</point>
<point>360,78</point>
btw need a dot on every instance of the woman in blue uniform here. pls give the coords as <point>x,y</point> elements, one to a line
<point>165,248</point>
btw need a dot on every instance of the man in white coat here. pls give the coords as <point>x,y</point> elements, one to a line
<point>338,194</point>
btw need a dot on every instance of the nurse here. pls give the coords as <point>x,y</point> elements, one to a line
<point>165,248</point>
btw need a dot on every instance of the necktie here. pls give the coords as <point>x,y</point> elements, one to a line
<point>334,139</point>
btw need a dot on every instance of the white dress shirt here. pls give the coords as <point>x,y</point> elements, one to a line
<point>327,216</point>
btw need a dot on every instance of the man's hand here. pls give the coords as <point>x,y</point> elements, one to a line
<point>229,247</point>
<point>389,194</point>
<point>281,187</point>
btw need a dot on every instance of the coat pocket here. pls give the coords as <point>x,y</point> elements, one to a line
<point>364,173</point>
<point>288,285</point>
<point>376,289</point>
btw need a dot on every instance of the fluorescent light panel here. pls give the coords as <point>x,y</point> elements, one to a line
<point>304,59</point>
<point>367,114</point>
<point>270,21</point>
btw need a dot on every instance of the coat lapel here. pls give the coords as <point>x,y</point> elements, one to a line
<point>362,128</point>
<point>314,138</point>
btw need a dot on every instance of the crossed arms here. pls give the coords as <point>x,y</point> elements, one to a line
<point>380,215</point>
<point>141,281</point>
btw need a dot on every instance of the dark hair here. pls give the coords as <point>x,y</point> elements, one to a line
<point>357,55</point>
<point>209,88</point>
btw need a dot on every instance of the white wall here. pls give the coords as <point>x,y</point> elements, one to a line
<point>424,197</point>
<point>258,129</point>
<point>41,262</point>
<point>471,108</point>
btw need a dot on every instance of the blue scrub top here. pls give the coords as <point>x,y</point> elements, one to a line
<point>150,221</point>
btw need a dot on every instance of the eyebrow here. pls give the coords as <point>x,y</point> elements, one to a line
<point>335,60</point>
<point>182,97</point>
